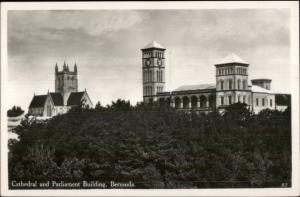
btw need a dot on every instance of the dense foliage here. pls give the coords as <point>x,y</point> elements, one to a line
<point>15,111</point>
<point>156,147</point>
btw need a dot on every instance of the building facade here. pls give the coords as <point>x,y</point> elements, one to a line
<point>231,85</point>
<point>66,95</point>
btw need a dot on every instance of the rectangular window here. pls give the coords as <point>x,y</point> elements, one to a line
<point>271,103</point>
<point>256,101</point>
<point>239,99</point>
<point>229,100</point>
<point>230,84</point>
<point>244,99</point>
<point>222,100</point>
<point>263,102</point>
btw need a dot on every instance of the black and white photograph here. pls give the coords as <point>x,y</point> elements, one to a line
<point>150,98</point>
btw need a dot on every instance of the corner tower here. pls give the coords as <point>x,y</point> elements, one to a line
<point>153,60</point>
<point>66,81</point>
<point>232,81</point>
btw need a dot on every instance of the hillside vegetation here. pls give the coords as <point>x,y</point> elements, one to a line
<point>156,147</point>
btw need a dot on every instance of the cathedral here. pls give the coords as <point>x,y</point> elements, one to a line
<point>66,95</point>
<point>231,85</point>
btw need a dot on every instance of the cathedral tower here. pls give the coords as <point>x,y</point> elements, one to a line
<point>66,81</point>
<point>232,81</point>
<point>153,58</point>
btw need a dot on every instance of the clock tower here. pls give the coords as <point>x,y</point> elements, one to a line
<point>153,59</point>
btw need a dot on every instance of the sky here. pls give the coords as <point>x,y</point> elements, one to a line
<point>105,44</point>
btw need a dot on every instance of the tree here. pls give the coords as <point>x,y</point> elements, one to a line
<point>15,111</point>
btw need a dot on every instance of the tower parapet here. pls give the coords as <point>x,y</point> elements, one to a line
<point>66,81</point>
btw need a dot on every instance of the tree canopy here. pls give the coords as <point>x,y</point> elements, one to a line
<point>156,147</point>
<point>15,111</point>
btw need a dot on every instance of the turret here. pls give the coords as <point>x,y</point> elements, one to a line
<point>56,68</point>
<point>75,68</point>
<point>64,66</point>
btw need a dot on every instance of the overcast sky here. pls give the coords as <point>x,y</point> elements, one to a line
<point>106,47</point>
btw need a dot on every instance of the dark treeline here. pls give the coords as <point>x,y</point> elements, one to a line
<point>156,147</point>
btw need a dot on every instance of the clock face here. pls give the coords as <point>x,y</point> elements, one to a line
<point>148,62</point>
<point>159,62</point>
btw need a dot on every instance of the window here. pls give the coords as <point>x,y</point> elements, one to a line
<point>229,100</point>
<point>230,84</point>
<point>222,85</point>
<point>239,98</point>
<point>256,101</point>
<point>244,84</point>
<point>239,84</point>
<point>271,102</point>
<point>244,99</point>
<point>222,100</point>
<point>48,110</point>
<point>263,102</point>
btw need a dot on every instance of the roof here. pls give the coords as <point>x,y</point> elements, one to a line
<point>261,79</point>
<point>232,58</point>
<point>57,98</point>
<point>153,44</point>
<point>75,98</point>
<point>258,89</point>
<point>38,101</point>
<point>195,87</point>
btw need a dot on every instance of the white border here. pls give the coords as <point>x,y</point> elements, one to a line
<point>293,6</point>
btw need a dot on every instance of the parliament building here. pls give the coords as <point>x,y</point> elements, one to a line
<point>232,85</point>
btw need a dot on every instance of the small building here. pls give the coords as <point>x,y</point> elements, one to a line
<point>65,97</point>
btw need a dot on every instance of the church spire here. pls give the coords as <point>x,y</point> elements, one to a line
<point>56,68</point>
<point>64,66</point>
<point>75,68</point>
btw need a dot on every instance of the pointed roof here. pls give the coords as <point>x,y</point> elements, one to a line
<point>38,101</point>
<point>75,98</point>
<point>57,98</point>
<point>153,44</point>
<point>232,58</point>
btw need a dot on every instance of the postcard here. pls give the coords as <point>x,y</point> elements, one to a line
<point>150,99</point>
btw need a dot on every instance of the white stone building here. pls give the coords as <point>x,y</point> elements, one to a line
<point>232,85</point>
